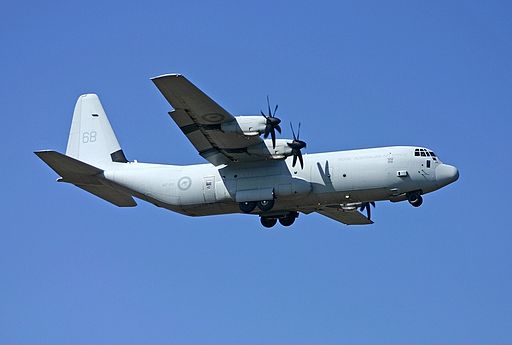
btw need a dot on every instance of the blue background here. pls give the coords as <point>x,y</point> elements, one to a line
<point>75,269</point>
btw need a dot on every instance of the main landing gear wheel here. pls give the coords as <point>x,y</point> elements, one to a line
<point>268,222</point>
<point>265,205</point>
<point>288,219</point>
<point>415,199</point>
<point>247,206</point>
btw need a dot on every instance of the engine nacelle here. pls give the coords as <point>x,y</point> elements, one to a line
<point>246,125</point>
<point>265,149</point>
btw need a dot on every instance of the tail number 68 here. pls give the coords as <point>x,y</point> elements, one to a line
<point>89,137</point>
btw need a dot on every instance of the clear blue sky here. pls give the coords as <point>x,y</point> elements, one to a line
<point>74,269</point>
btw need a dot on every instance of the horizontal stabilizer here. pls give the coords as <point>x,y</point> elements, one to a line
<point>110,194</point>
<point>85,176</point>
<point>66,166</point>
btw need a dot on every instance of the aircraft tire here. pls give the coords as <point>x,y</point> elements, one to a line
<point>417,202</point>
<point>268,222</point>
<point>265,205</point>
<point>247,206</point>
<point>289,219</point>
<point>414,199</point>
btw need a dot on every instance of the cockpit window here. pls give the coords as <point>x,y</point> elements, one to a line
<point>425,153</point>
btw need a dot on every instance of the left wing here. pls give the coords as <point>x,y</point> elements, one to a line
<point>200,118</point>
<point>346,217</point>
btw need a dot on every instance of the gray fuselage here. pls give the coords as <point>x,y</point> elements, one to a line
<point>342,178</point>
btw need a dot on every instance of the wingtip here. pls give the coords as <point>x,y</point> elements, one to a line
<point>41,152</point>
<point>166,76</point>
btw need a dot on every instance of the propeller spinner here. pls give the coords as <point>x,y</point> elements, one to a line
<point>272,123</point>
<point>296,145</point>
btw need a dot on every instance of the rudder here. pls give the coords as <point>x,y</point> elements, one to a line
<point>91,138</point>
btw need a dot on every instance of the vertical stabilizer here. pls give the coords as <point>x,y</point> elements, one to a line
<point>91,139</point>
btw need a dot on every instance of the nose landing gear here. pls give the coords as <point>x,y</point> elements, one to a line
<point>415,198</point>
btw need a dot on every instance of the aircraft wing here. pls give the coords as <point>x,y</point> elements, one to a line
<point>200,119</point>
<point>346,217</point>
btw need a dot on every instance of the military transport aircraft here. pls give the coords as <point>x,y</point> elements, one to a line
<point>246,173</point>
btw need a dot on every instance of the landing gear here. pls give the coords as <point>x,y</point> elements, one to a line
<point>415,199</point>
<point>247,206</point>
<point>289,219</point>
<point>285,220</point>
<point>268,222</point>
<point>265,205</point>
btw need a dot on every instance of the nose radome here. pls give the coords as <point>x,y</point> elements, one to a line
<point>446,174</point>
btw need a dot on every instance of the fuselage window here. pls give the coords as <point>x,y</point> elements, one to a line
<point>423,154</point>
<point>428,163</point>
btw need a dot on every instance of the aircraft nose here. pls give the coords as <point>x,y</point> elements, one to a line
<point>446,174</point>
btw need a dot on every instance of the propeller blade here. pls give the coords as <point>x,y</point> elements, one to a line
<point>267,131</point>
<point>273,134</point>
<point>268,104</point>
<point>366,205</point>
<point>298,132</point>
<point>265,116</point>
<point>300,159</point>
<point>278,128</point>
<point>293,132</point>
<point>275,110</point>
<point>294,160</point>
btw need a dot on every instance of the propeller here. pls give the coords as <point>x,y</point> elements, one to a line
<point>296,145</point>
<point>366,205</point>
<point>272,124</point>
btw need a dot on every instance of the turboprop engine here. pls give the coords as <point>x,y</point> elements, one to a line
<point>252,125</point>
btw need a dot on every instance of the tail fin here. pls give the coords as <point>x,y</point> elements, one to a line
<point>91,139</point>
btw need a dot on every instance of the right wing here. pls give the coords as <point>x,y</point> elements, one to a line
<point>346,217</point>
<point>200,118</point>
